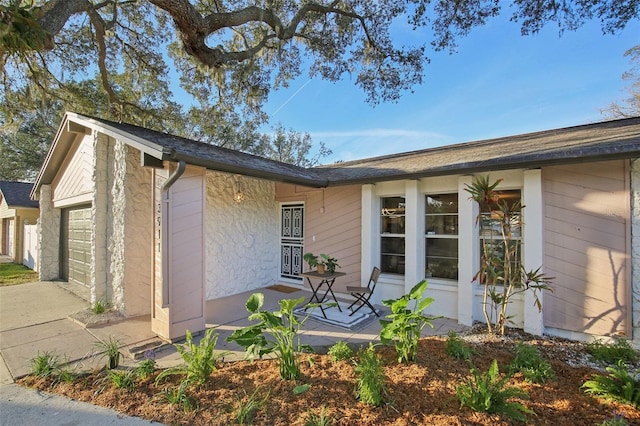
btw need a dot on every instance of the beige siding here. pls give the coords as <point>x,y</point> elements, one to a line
<point>333,217</point>
<point>586,231</point>
<point>75,175</point>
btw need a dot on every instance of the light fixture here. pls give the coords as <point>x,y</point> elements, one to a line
<point>238,195</point>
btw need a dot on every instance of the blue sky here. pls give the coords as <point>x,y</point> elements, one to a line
<point>499,83</point>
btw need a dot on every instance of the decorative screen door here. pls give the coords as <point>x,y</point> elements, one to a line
<point>291,240</point>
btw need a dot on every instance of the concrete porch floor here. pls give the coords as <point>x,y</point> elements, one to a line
<point>35,318</point>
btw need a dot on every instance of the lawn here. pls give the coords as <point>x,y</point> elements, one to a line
<point>13,273</point>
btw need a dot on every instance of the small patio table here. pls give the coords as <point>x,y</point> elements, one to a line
<point>328,278</point>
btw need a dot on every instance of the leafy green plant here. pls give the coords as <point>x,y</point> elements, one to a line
<point>111,351</point>
<point>179,396</point>
<point>456,347</point>
<point>619,385</point>
<point>122,379</point>
<point>370,379</point>
<point>282,326</point>
<point>403,326</point>
<point>340,351</point>
<point>531,364</point>
<point>247,407</point>
<point>99,306</point>
<point>612,353</point>
<point>323,260</point>
<point>618,419</point>
<point>145,368</point>
<point>200,360</point>
<point>44,364</point>
<point>501,271</point>
<point>489,393</point>
<point>321,418</point>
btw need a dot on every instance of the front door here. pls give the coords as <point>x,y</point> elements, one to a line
<point>291,241</point>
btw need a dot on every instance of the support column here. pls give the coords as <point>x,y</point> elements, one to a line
<point>100,218</point>
<point>635,250</point>
<point>369,245</point>
<point>414,235</point>
<point>48,237</point>
<point>532,235</point>
<point>468,252</point>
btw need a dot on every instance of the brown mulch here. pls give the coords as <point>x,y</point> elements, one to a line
<point>422,393</point>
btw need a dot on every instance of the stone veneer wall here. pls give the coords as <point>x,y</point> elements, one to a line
<point>635,249</point>
<point>242,247</point>
<point>48,237</point>
<point>100,219</point>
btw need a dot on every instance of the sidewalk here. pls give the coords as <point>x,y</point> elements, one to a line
<point>35,317</point>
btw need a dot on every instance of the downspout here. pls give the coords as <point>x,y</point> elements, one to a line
<point>165,229</point>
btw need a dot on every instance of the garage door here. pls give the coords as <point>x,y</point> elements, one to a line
<point>76,245</point>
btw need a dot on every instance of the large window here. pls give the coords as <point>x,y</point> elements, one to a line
<point>441,236</point>
<point>501,230</point>
<point>392,229</point>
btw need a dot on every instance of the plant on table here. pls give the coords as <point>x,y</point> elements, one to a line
<point>200,360</point>
<point>282,326</point>
<point>501,272</point>
<point>403,327</point>
<point>111,351</point>
<point>321,262</point>
<point>489,393</point>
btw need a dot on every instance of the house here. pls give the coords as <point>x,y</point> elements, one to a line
<point>158,224</point>
<point>18,214</point>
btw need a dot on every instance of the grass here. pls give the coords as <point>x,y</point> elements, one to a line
<point>13,273</point>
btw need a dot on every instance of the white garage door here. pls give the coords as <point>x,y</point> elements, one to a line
<point>76,245</point>
<point>30,246</point>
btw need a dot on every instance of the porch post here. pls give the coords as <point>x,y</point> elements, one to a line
<point>414,236</point>
<point>368,242</point>
<point>533,245</point>
<point>468,252</point>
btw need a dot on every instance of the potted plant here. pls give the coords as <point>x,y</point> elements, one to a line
<point>321,263</point>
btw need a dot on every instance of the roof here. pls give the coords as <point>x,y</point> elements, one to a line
<point>16,194</point>
<point>590,142</point>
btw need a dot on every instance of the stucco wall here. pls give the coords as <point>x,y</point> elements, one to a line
<point>242,238</point>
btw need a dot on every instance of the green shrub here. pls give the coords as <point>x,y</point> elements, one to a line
<point>99,306</point>
<point>145,368</point>
<point>282,326</point>
<point>340,351</point>
<point>111,351</point>
<point>370,381</point>
<point>318,419</point>
<point>403,326</point>
<point>122,379</point>
<point>489,393</point>
<point>619,385</point>
<point>178,396</point>
<point>456,347</point>
<point>247,407</point>
<point>199,360</point>
<point>44,364</point>
<point>531,364</point>
<point>612,353</point>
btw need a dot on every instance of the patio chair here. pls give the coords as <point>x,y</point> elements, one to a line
<point>363,294</point>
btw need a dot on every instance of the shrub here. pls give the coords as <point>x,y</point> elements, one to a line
<point>489,393</point>
<point>247,407</point>
<point>618,385</point>
<point>111,351</point>
<point>340,351</point>
<point>612,353</point>
<point>99,306</point>
<point>283,326</point>
<point>318,419</point>
<point>145,368</point>
<point>43,365</point>
<point>456,347</point>
<point>531,364</point>
<point>179,396</point>
<point>199,360</point>
<point>370,381</point>
<point>404,326</point>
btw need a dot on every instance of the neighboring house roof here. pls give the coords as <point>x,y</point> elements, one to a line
<point>591,142</point>
<point>16,194</point>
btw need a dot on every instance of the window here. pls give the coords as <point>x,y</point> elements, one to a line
<point>441,238</point>
<point>501,229</point>
<point>392,228</point>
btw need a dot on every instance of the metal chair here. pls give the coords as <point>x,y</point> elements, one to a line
<point>363,294</point>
